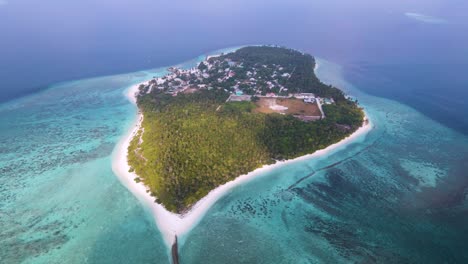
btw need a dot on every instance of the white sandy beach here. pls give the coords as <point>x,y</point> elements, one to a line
<point>171,224</point>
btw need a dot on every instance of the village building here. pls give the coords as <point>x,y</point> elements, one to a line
<point>304,95</point>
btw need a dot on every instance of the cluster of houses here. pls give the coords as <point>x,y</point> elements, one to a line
<point>260,80</point>
<point>221,73</point>
<point>257,81</point>
<point>179,80</point>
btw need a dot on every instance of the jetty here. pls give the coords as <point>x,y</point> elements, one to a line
<point>175,252</point>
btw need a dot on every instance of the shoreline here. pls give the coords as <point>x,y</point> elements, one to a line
<point>171,224</point>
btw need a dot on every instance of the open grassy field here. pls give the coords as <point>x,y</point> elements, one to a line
<point>287,106</point>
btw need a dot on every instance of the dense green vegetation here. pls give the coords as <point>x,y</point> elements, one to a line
<point>192,143</point>
<point>189,148</point>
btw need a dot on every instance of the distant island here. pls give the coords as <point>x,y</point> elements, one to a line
<point>233,113</point>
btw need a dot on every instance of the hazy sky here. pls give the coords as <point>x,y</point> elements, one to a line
<point>57,40</point>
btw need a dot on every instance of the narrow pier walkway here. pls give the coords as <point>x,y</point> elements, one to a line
<point>175,252</point>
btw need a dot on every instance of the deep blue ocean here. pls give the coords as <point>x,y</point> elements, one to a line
<point>396,195</point>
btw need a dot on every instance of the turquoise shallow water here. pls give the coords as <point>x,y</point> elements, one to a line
<point>396,195</point>
<point>59,197</point>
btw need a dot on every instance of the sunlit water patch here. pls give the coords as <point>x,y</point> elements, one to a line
<point>425,18</point>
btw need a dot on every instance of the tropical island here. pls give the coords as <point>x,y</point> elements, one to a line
<point>233,113</point>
